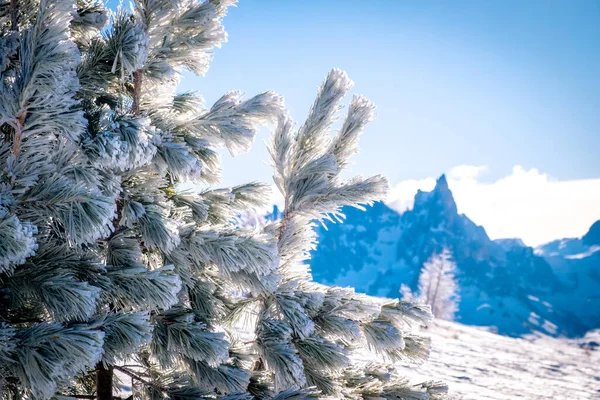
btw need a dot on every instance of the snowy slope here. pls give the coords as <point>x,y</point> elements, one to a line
<point>478,364</point>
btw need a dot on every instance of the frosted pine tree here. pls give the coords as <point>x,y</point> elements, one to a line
<point>54,205</point>
<point>437,286</point>
<point>309,334</point>
<point>109,271</point>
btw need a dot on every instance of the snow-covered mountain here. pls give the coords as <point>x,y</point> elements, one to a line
<point>576,263</point>
<point>503,283</point>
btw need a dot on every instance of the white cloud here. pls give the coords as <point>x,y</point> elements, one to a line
<point>525,204</point>
<point>276,198</point>
<point>463,172</point>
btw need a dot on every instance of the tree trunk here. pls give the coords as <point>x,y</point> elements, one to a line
<point>435,293</point>
<point>104,382</point>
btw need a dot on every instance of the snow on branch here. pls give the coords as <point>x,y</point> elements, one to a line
<point>17,241</point>
<point>49,354</point>
<point>136,287</point>
<point>280,355</point>
<point>232,122</point>
<point>125,333</point>
<point>178,333</point>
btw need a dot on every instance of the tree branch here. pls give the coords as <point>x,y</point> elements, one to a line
<point>138,77</point>
<point>18,133</point>
<point>14,8</point>
<point>284,222</point>
<point>139,378</point>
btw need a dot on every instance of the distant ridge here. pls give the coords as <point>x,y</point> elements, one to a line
<point>504,283</point>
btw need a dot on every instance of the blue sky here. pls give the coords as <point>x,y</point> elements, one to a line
<point>503,96</point>
<point>494,83</point>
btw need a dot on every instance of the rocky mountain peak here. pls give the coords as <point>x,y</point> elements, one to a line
<point>592,237</point>
<point>510,243</point>
<point>442,183</point>
<point>440,199</point>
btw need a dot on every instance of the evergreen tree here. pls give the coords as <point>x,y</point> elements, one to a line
<point>107,265</point>
<point>437,286</point>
